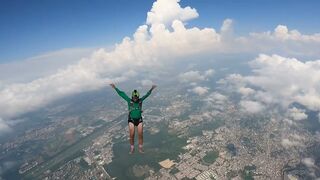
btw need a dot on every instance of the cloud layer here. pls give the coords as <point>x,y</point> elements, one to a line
<point>280,81</point>
<point>150,48</point>
<point>4,127</point>
<point>283,41</point>
<point>40,66</point>
<point>165,40</point>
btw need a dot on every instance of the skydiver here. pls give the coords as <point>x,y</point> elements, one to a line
<point>134,115</point>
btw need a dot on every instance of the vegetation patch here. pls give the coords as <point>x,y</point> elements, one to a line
<point>211,157</point>
<point>248,172</point>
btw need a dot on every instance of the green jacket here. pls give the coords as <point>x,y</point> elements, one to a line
<point>134,108</point>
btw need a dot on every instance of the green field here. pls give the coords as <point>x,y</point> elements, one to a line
<point>211,157</point>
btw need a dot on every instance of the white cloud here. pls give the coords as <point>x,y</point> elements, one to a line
<point>227,30</point>
<point>191,76</point>
<point>146,82</point>
<point>233,82</point>
<point>216,98</point>
<point>193,84</point>
<point>282,41</point>
<point>280,81</point>
<point>297,114</point>
<point>166,11</point>
<point>19,98</point>
<point>209,73</point>
<point>246,91</point>
<point>4,127</point>
<point>200,90</point>
<point>252,106</point>
<point>317,135</point>
<point>163,41</point>
<point>41,65</point>
<point>226,26</point>
<point>195,76</point>
<point>289,122</point>
<point>144,51</point>
<point>309,162</point>
<point>289,143</point>
<point>282,33</point>
<point>293,140</point>
<point>288,79</point>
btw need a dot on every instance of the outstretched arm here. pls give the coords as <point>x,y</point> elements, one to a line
<point>148,93</point>
<point>121,93</point>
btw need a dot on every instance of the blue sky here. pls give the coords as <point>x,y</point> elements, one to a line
<point>30,28</point>
<point>48,47</point>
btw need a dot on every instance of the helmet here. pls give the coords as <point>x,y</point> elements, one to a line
<point>135,93</point>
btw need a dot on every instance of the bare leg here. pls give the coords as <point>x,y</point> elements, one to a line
<point>131,134</point>
<point>140,136</point>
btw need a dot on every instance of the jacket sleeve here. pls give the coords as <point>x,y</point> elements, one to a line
<point>145,96</point>
<point>123,95</point>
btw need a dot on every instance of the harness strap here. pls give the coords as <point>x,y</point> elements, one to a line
<point>132,108</point>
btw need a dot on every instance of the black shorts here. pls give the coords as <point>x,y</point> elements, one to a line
<point>136,122</point>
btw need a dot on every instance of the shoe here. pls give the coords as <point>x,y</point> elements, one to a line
<point>131,151</point>
<point>141,150</point>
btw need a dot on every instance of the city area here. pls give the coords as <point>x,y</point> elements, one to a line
<point>186,137</point>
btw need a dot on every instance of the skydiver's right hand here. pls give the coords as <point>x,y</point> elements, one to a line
<point>153,86</point>
<point>113,86</point>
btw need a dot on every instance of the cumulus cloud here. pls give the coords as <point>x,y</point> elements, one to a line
<point>19,98</point>
<point>233,82</point>
<point>200,90</point>
<point>245,91</point>
<point>282,40</point>
<point>124,61</point>
<point>282,33</point>
<point>216,98</point>
<point>227,30</point>
<point>191,76</point>
<point>146,82</point>
<point>294,139</point>
<point>288,79</point>
<point>195,76</point>
<point>297,114</point>
<point>289,121</point>
<point>41,65</point>
<point>165,11</point>
<point>251,106</point>
<point>289,143</point>
<point>4,127</point>
<point>280,81</point>
<point>163,40</point>
<point>209,73</point>
<point>309,162</point>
